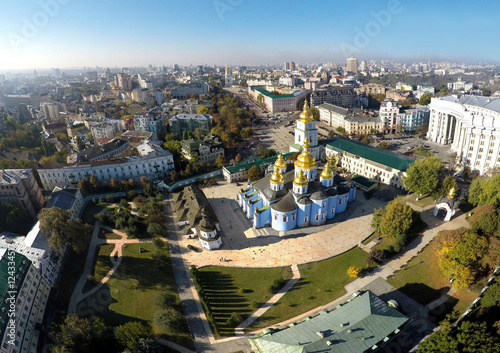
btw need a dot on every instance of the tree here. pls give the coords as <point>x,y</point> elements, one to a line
<point>234,320</point>
<point>378,213</point>
<point>156,230</point>
<point>95,185</point>
<point>425,99</point>
<point>423,176</point>
<point>81,335</point>
<point>485,91</point>
<point>440,341</point>
<point>314,112</point>
<point>56,224</point>
<point>170,319</point>
<point>144,181</point>
<point>492,296</point>
<point>237,158</point>
<point>128,334</point>
<point>221,161</point>
<point>485,191</point>
<point>267,152</point>
<point>353,272</point>
<point>383,145</point>
<point>202,110</point>
<point>397,218</point>
<point>11,217</point>
<point>198,133</point>
<point>331,133</point>
<point>484,219</point>
<point>447,184</point>
<point>114,184</point>
<point>165,300</point>
<point>255,173</point>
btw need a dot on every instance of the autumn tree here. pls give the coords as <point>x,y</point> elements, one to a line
<point>95,185</point>
<point>221,161</point>
<point>84,186</point>
<point>61,230</point>
<point>424,175</point>
<point>254,173</point>
<point>397,218</point>
<point>202,110</point>
<point>484,190</point>
<point>130,333</point>
<point>114,184</point>
<point>484,219</point>
<point>425,99</point>
<point>237,158</point>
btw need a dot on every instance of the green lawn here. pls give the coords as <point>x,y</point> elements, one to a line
<point>423,202</point>
<point>105,234</point>
<point>421,279</point>
<point>320,283</point>
<point>89,212</point>
<point>101,266</point>
<point>130,293</point>
<point>238,290</point>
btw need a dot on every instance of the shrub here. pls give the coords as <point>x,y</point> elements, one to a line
<point>353,272</point>
<point>170,319</point>
<point>234,320</point>
<point>484,220</point>
<point>277,285</point>
<point>166,300</point>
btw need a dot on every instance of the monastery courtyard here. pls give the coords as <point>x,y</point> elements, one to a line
<point>244,246</point>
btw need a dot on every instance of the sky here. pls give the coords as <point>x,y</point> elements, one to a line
<point>37,34</point>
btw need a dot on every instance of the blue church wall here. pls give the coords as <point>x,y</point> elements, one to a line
<point>352,193</point>
<point>303,215</point>
<point>283,220</point>
<point>261,218</point>
<point>342,203</point>
<point>332,206</point>
<point>253,205</point>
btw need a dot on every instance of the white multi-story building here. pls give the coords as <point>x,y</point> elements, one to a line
<point>352,65</point>
<point>471,125</point>
<point>228,77</point>
<point>389,112</point>
<point>24,296</point>
<point>156,165</point>
<point>19,187</point>
<point>460,86</point>
<point>276,103</point>
<point>154,123</point>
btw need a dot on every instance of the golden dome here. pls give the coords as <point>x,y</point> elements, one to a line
<point>305,116</point>
<point>451,194</point>
<point>280,162</point>
<point>332,163</point>
<point>305,160</point>
<point>327,173</point>
<point>300,179</point>
<point>277,178</point>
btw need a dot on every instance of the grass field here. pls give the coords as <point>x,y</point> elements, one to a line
<point>102,266</point>
<point>133,288</point>
<point>423,202</point>
<point>320,283</point>
<point>237,290</point>
<point>421,279</point>
<point>105,234</point>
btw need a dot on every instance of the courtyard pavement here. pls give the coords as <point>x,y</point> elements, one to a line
<point>244,246</point>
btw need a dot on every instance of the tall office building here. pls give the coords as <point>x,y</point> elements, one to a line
<point>124,81</point>
<point>352,65</point>
<point>289,66</point>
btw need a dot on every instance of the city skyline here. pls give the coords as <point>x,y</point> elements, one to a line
<point>64,33</point>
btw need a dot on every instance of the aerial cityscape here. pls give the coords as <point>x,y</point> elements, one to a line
<point>249,177</point>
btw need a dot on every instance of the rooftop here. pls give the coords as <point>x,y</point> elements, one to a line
<point>374,154</point>
<point>478,101</point>
<point>13,176</point>
<point>363,323</point>
<point>249,163</point>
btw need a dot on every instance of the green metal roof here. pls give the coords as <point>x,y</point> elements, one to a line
<point>354,327</point>
<point>377,155</point>
<point>21,264</point>
<point>269,94</point>
<point>363,181</point>
<point>249,163</point>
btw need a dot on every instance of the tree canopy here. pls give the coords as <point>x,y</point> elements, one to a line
<point>11,217</point>
<point>254,173</point>
<point>425,99</point>
<point>56,224</point>
<point>130,333</point>
<point>424,175</point>
<point>396,219</point>
<point>484,190</point>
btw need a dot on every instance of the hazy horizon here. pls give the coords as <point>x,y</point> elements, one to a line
<point>46,34</point>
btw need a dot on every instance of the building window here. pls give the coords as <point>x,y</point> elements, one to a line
<point>316,217</point>
<point>333,209</point>
<point>285,218</point>
<point>340,201</point>
<point>306,219</point>
<point>275,216</point>
<point>293,216</point>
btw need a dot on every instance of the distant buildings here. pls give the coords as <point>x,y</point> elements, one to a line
<point>19,187</point>
<point>276,103</point>
<point>113,148</point>
<point>289,66</point>
<point>67,199</point>
<point>123,81</point>
<point>352,65</point>
<point>51,111</point>
<point>228,77</point>
<point>460,85</point>
<point>207,150</point>
<point>180,91</point>
<point>471,126</point>
<point>414,119</point>
<point>342,96</point>
<point>150,122</point>
<point>156,165</point>
<point>190,122</point>
<point>352,120</point>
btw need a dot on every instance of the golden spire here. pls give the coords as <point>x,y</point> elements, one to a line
<point>451,194</point>
<point>277,178</point>
<point>280,162</point>
<point>300,179</point>
<point>305,116</point>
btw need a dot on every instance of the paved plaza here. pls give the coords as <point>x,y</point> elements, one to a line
<point>247,247</point>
